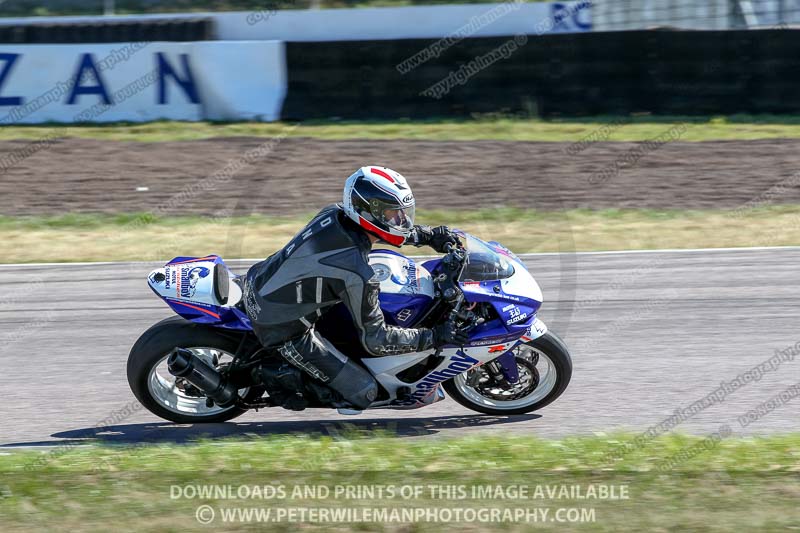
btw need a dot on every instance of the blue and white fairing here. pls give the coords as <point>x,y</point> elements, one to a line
<point>187,284</point>
<point>497,276</point>
<point>406,287</point>
<point>493,275</point>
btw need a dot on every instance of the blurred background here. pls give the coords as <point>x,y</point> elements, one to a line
<point>585,58</point>
<point>620,14</point>
<point>644,155</point>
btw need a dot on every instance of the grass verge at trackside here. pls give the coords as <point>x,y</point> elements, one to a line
<point>732,484</point>
<point>497,128</point>
<point>144,237</point>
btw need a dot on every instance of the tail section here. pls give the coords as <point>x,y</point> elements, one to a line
<point>201,289</point>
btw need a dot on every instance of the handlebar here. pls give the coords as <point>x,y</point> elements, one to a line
<point>453,265</point>
<point>447,283</point>
<point>449,247</point>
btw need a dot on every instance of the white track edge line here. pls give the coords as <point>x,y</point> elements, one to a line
<point>524,255</point>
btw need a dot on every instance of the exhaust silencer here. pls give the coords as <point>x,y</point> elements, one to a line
<point>184,364</point>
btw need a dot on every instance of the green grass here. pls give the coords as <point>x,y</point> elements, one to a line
<point>738,484</point>
<point>638,128</point>
<point>97,237</point>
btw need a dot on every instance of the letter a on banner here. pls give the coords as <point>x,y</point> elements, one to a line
<point>85,66</point>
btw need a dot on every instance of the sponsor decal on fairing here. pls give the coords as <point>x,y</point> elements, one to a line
<point>459,363</point>
<point>187,284</point>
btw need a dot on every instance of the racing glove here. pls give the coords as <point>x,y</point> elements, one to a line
<point>448,333</point>
<point>437,238</point>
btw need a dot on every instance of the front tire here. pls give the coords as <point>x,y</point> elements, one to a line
<point>545,369</point>
<point>151,384</point>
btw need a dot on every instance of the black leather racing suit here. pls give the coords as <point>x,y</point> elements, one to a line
<point>323,265</point>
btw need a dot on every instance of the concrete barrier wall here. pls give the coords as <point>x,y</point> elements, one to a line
<point>142,81</point>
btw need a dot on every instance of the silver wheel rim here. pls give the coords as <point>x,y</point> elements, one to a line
<point>548,376</point>
<point>165,388</point>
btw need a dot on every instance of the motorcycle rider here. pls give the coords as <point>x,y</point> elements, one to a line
<point>327,263</point>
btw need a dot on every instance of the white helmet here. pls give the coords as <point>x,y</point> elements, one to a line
<point>379,200</point>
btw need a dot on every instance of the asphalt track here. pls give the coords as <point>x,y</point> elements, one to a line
<point>650,333</point>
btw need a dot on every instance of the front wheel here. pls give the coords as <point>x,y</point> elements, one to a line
<point>545,369</point>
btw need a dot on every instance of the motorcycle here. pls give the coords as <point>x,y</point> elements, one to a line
<point>206,364</point>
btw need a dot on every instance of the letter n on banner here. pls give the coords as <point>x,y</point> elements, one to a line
<point>186,83</point>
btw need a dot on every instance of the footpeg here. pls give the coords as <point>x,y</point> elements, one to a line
<point>295,403</point>
<point>283,384</point>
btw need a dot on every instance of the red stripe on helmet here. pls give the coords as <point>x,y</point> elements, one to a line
<point>396,240</point>
<point>380,172</point>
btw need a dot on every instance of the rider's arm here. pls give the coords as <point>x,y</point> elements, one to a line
<point>377,337</point>
<point>359,292</point>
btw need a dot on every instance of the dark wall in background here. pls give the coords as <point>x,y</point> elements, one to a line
<point>195,29</point>
<point>33,8</point>
<point>662,71</point>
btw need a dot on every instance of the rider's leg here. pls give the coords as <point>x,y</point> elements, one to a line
<point>310,352</point>
<point>322,361</point>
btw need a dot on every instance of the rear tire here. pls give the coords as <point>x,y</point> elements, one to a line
<point>553,348</point>
<point>155,344</point>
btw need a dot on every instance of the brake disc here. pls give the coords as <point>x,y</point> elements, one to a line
<point>527,383</point>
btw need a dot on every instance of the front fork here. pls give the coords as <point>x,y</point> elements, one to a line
<point>504,368</point>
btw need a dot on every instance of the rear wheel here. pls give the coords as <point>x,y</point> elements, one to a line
<point>172,398</point>
<point>545,369</point>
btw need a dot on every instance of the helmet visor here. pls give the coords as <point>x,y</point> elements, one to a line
<point>394,216</point>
